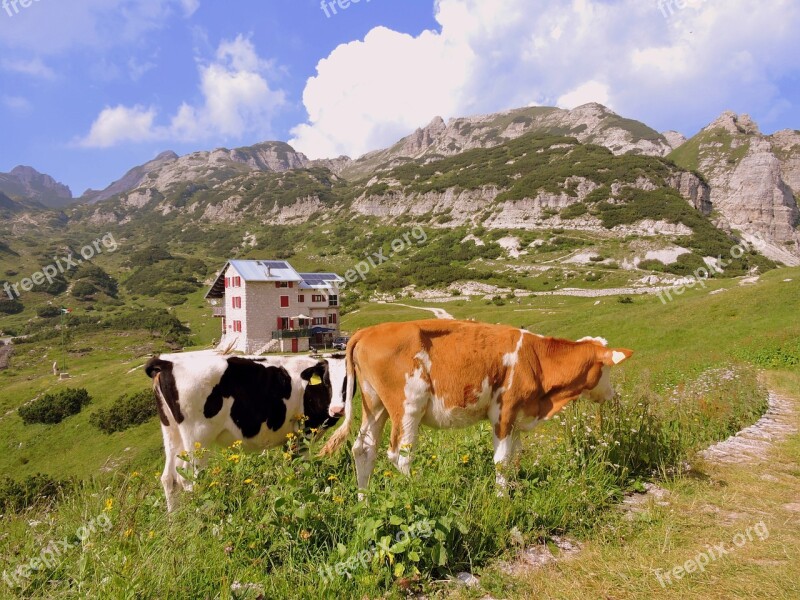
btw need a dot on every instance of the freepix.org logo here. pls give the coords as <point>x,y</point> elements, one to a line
<point>13,7</point>
<point>61,265</point>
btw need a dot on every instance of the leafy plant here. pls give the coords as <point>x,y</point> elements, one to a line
<point>54,408</point>
<point>128,411</point>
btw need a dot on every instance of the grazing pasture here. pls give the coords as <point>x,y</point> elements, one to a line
<point>279,525</point>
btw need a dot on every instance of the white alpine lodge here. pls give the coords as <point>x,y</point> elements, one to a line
<point>267,306</point>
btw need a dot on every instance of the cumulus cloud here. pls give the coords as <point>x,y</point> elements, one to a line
<point>680,66</point>
<point>591,91</point>
<point>237,99</point>
<point>122,124</point>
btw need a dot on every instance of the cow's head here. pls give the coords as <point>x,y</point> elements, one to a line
<point>338,372</point>
<point>598,381</point>
<point>326,383</point>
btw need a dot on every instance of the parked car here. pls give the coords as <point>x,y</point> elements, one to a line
<point>340,343</point>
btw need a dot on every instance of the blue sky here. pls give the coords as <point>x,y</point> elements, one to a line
<point>90,88</point>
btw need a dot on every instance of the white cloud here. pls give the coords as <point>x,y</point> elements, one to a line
<point>489,56</point>
<point>122,124</point>
<point>237,99</point>
<point>34,67</point>
<point>591,91</point>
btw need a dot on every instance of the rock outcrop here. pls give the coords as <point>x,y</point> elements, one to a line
<point>754,179</point>
<point>590,123</point>
<point>168,169</point>
<point>26,183</point>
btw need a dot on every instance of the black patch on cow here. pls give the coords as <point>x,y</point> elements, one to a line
<point>259,395</point>
<point>317,398</point>
<point>161,372</point>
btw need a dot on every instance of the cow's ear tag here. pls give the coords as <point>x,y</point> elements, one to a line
<point>315,380</point>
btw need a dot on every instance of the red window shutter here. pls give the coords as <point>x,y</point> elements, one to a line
<point>279,323</point>
<point>277,284</point>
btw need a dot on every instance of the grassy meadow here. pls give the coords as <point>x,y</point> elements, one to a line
<point>278,526</point>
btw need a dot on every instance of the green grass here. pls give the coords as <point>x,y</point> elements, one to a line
<point>295,516</point>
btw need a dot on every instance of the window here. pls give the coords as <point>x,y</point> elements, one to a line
<point>236,302</point>
<point>284,301</point>
<point>318,298</point>
<point>319,320</point>
<point>283,323</point>
<point>301,298</point>
<point>282,284</point>
<point>237,326</point>
<point>332,318</point>
<point>238,282</point>
<point>333,300</point>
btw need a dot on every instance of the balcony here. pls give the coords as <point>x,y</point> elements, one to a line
<point>218,311</point>
<point>287,334</point>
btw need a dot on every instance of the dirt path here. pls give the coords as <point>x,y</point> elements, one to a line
<point>439,313</point>
<point>754,442</point>
<point>740,499</point>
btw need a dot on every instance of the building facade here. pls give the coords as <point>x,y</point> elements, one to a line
<point>267,306</point>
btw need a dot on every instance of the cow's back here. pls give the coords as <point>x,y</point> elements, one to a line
<point>464,363</point>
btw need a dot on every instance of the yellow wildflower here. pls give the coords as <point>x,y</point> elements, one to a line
<point>305,534</point>
<point>197,445</point>
<point>234,458</point>
<point>465,459</point>
<point>135,474</point>
<point>109,504</point>
<point>128,533</point>
<point>332,478</point>
<point>151,534</point>
<point>387,473</point>
<point>237,444</point>
<point>248,480</point>
<point>338,500</point>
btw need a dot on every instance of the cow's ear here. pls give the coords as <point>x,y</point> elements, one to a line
<point>614,356</point>
<point>314,375</point>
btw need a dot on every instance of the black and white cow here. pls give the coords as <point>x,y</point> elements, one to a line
<point>213,399</point>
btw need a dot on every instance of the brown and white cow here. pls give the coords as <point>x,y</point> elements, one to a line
<point>209,399</point>
<point>449,374</point>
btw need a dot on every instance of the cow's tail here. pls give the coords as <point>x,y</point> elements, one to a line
<point>339,437</point>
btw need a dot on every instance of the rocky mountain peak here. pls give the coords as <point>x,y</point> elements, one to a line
<point>423,138</point>
<point>29,184</point>
<point>674,138</point>
<point>736,124</point>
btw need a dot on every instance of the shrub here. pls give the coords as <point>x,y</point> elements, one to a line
<point>10,307</point>
<point>625,300</point>
<point>574,211</point>
<point>83,289</point>
<point>98,278</point>
<point>128,411</point>
<point>54,408</point>
<point>48,312</point>
<point>16,496</point>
